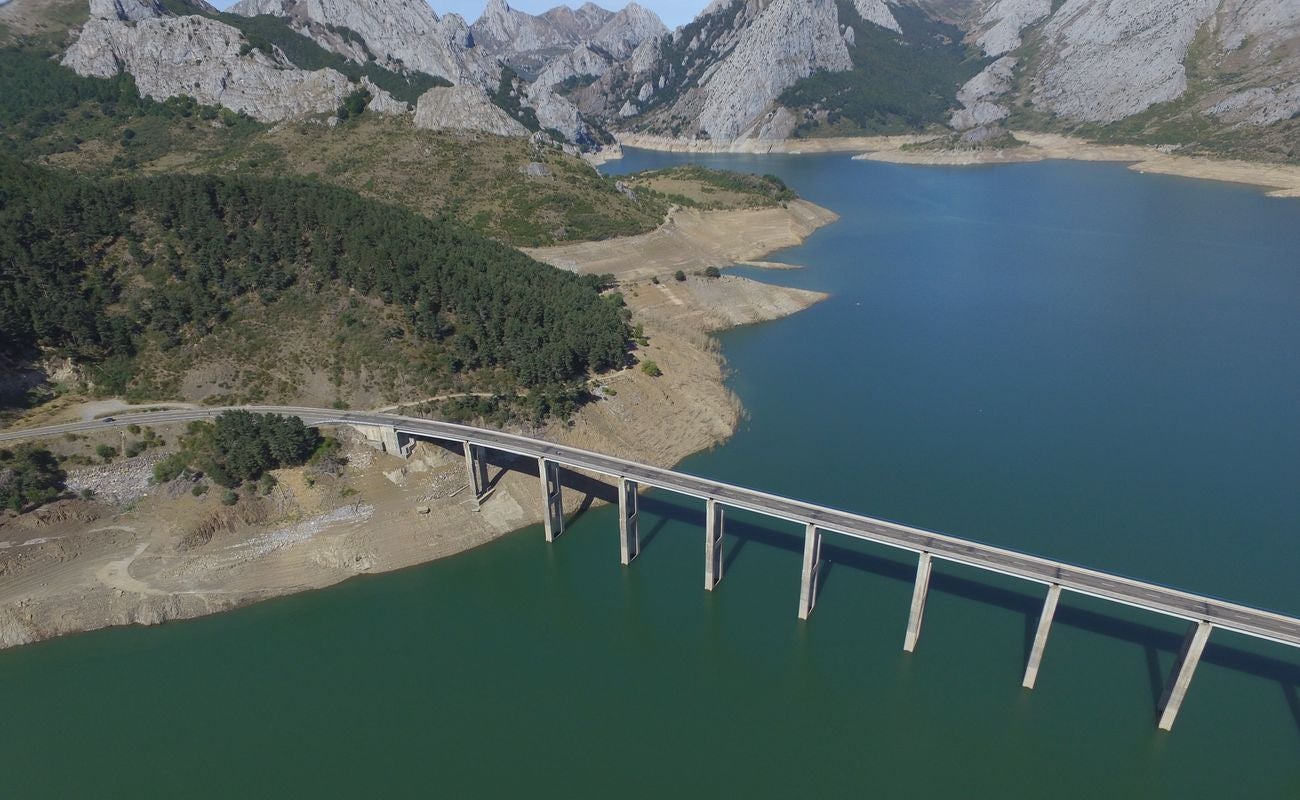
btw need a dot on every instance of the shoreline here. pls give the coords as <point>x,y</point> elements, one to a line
<point>843,144</point>
<point>146,554</point>
<point>1277,180</point>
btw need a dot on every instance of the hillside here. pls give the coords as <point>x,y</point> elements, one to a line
<point>522,192</point>
<point>225,288</point>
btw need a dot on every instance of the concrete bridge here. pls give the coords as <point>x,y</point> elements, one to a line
<point>394,434</point>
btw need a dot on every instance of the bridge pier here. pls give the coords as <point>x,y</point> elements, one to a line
<point>1040,637</point>
<point>552,499</point>
<point>476,467</point>
<point>629,536</point>
<point>919,593</point>
<point>812,563</point>
<point>1181,676</point>
<point>713,524</point>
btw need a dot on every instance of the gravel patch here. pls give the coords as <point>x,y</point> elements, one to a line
<point>119,482</point>
<point>300,532</point>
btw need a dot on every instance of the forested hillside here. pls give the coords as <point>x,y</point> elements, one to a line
<point>105,271</point>
<point>506,188</point>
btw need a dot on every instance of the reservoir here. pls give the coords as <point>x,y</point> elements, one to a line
<point>1068,359</point>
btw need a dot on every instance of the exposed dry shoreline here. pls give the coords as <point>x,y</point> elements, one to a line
<point>141,554</point>
<point>692,240</point>
<point>1280,180</point>
<point>843,144</point>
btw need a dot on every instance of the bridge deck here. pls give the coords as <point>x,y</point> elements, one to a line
<point>1154,597</point>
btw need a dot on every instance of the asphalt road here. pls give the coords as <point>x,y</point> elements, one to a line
<point>1161,599</point>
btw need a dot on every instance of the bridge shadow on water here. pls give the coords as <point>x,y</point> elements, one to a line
<point>842,562</point>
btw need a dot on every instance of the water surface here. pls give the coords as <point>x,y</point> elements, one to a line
<point>1070,359</point>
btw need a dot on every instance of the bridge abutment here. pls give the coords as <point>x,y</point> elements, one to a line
<point>476,467</point>
<point>919,592</point>
<point>552,499</point>
<point>1040,636</point>
<point>713,524</point>
<point>629,536</point>
<point>812,562</point>
<point>1181,676</point>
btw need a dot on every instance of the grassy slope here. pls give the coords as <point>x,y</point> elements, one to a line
<point>710,189</point>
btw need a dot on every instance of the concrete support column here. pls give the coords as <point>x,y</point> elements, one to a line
<point>552,501</point>
<point>1181,676</point>
<point>714,520</point>
<point>918,603</point>
<point>812,562</point>
<point>476,467</point>
<point>1040,637</point>
<point>389,439</point>
<point>629,537</point>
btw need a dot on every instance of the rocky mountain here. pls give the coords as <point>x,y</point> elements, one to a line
<point>401,33</point>
<point>280,59</point>
<point>530,43</point>
<point>1156,70</point>
<point>1168,70</point>
<point>206,59</point>
<point>720,76</point>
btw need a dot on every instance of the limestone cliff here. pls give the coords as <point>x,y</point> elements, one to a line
<point>464,108</point>
<point>401,33</point>
<point>1101,61</point>
<point>205,59</point>
<point>719,76</point>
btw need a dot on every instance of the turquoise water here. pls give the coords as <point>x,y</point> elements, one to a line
<point>1070,359</point>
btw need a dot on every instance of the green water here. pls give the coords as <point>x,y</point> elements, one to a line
<point>1065,358</point>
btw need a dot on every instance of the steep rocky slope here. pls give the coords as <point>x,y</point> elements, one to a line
<point>529,43</point>
<point>1169,70</point>
<point>205,59</point>
<point>1221,75</point>
<point>400,32</point>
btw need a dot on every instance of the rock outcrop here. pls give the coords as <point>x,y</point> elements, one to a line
<point>1104,60</point>
<point>403,34</point>
<point>625,31</point>
<point>207,60</point>
<point>531,43</point>
<point>977,96</point>
<point>719,77</point>
<point>1004,20</point>
<point>464,108</point>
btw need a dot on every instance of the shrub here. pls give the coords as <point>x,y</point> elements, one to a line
<point>29,477</point>
<point>679,275</point>
<point>106,452</point>
<point>651,368</point>
<point>171,468</point>
<point>199,489</point>
<point>229,498</point>
<point>712,272</point>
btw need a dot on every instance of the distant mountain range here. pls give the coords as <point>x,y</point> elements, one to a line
<point>1167,71</point>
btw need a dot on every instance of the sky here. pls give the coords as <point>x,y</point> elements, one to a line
<point>672,12</point>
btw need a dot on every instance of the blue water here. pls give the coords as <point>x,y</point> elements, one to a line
<point>1066,358</point>
<point>1071,359</point>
